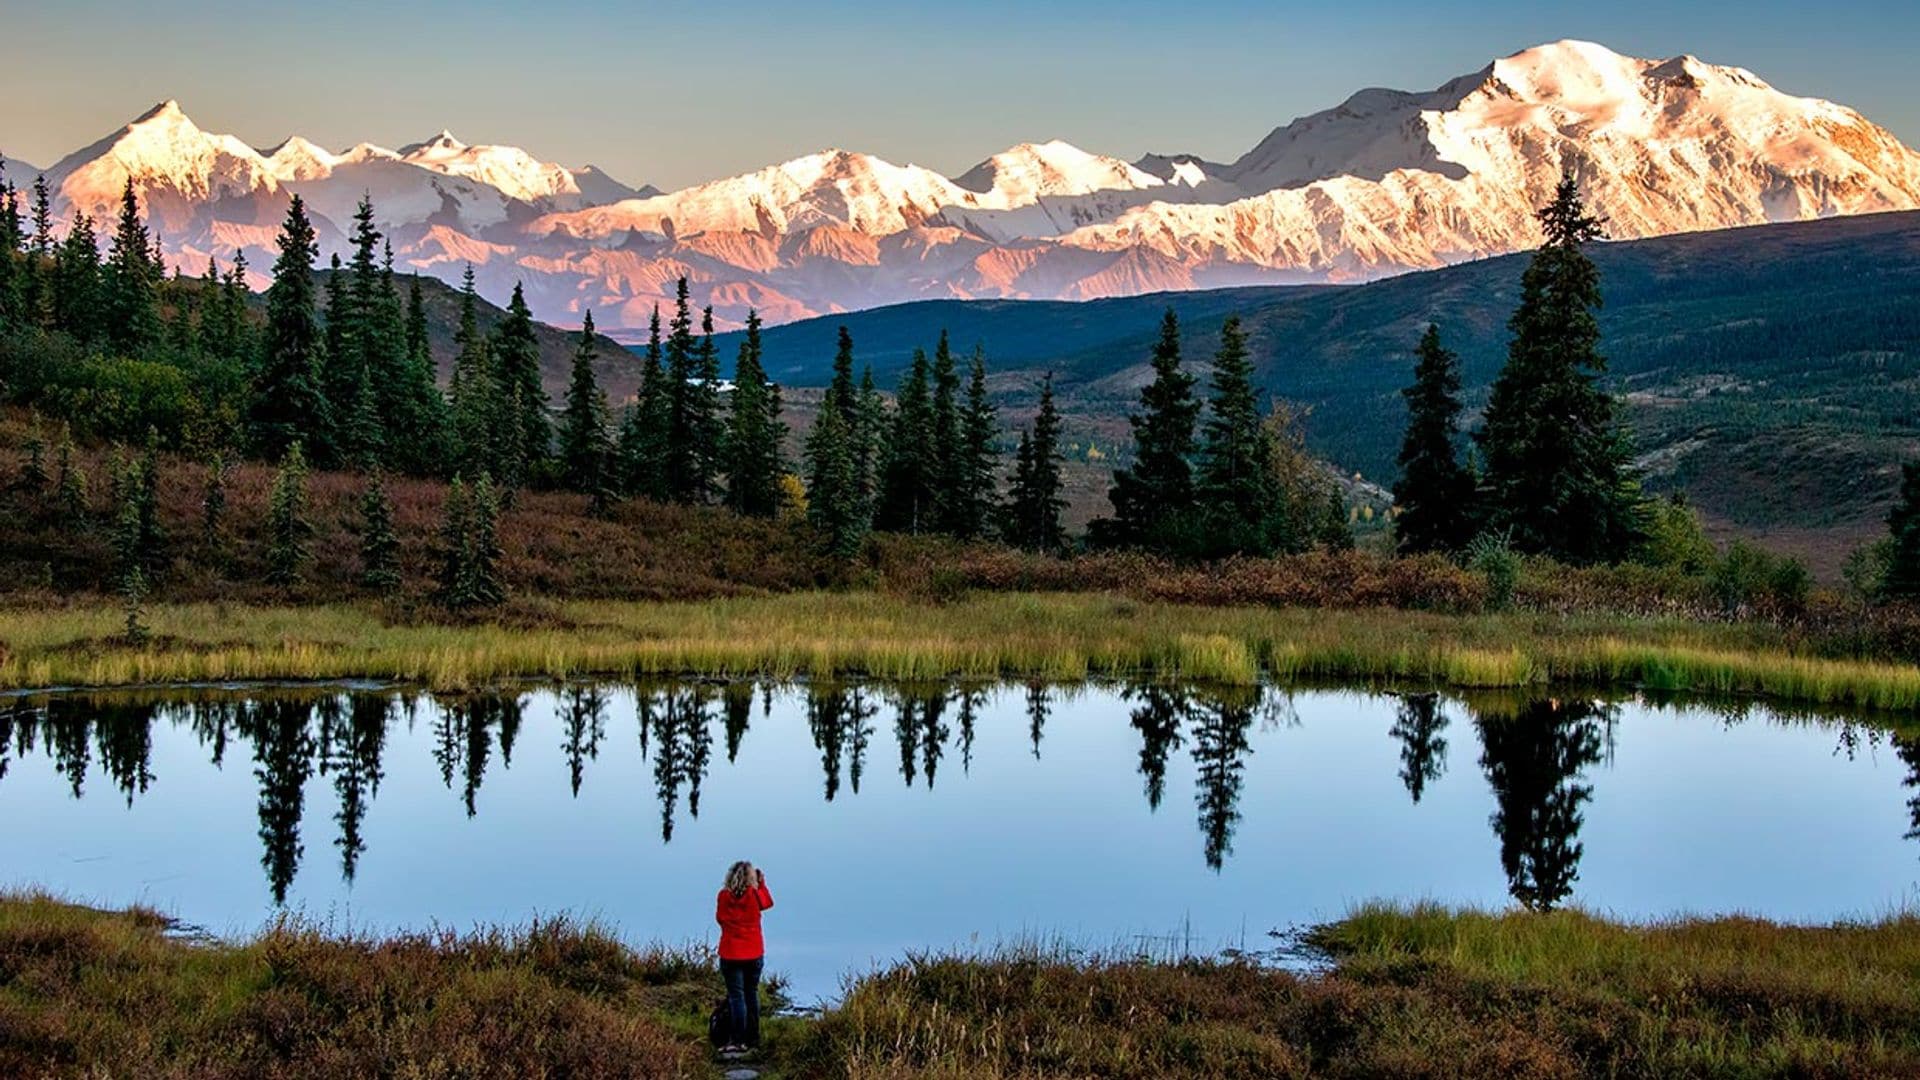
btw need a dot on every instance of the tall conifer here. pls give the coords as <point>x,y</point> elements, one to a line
<point>1235,484</point>
<point>1035,500</point>
<point>1435,491</point>
<point>1153,499</point>
<point>130,293</point>
<point>907,501</point>
<point>1559,476</point>
<point>971,507</point>
<point>523,421</point>
<point>754,432</point>
<point>585,445</point>
<point>287,406</point>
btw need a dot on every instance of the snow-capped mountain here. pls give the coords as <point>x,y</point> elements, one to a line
<point>1387,181</point>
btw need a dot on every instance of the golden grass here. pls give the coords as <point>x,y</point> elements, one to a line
<point>994,635</point>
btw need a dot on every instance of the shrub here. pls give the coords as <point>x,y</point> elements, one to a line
<point>1491,555</point>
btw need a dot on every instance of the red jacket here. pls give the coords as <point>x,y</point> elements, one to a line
<point>739,919</point>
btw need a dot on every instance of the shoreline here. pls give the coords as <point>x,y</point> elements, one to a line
<point>1042,636</point>
<point>1411,989</point>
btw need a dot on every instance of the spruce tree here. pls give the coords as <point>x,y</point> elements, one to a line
<point>869,441</point>
<point>37,285</point>
<point>835,504</point>
<point>340,363</point>
<point>418,406</point>
<point>456,544</point>
<point>1153,500</point>
<point>755,432</point>
<point>288,530</point>
<point>287,406</point>
<point>379,547</point>
<point>484,549</point>
<point>131,303</point>
<point>1239,496</point>
<point>972,504</point>
<point>34,478</point>
<point>150,538</point>
<point>74,297</point>
<point>13,270</point>
<point>947,450</point>
<point>516,367</point>
<point>1902,578</point>
<point>680,454</point>
<point>1035,500</point>
<point>70,485</point>
<point>908,468</point>
<point>1559,477</point>
<point>1435,492</point>
<point>474,390</point>
<point>706,421</point>
<point>585,446</point>
<point>644,427</point>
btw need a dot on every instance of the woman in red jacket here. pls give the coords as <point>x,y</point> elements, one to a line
<point>742,953</point>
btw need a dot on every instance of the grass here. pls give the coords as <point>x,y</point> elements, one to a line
<point>985,635</point>
<point>1415,991</point>
<point>91,993</point>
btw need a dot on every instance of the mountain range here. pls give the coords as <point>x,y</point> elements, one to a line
<point>1386,182</point>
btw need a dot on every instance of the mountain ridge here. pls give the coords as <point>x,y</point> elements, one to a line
<point>1385,182</point>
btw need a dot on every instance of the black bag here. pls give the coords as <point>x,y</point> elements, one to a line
<point>720,1025</point>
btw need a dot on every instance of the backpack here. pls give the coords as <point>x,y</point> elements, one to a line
<point>720,1025</point>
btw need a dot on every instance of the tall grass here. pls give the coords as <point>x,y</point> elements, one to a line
<point>998,635</point>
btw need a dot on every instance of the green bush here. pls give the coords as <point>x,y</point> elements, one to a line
<point>1491,556</point>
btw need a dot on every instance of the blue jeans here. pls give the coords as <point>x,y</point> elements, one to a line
<point>743,997</point>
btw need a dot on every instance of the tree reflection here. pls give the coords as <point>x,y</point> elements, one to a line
<point>1417,726</point>
<point>1221,723</point>
<point>737,704</point>
<point>463,738</point>
<point>1533,757</point>
<point>354,759</point>
<point>1037,711</point>
<point>682,743</point>
<point>283,751</point>
<point>586,725</point>
<point>837,718</point>
<point>1909,751</point>
<point>920,732</point>
<point>1157,717</point>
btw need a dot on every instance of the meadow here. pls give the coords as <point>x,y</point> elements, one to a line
<point>1411,991</point>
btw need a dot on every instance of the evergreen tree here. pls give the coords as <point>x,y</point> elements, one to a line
<point>287,406</point>
<point>421,406</point>
<point>339,364</point>
<point>70,485</point>
<point>36,283</point>
<point>707,422</point>
<point>184,327</point>
<point>34,478</point>
<point>585,446</point>
<point>841,390</point>
<point>1035,501</point>
<point>456,544</point>
<point>150,539</point>
<point>13,269</point>
<point>1153,500</point>
<point>869,442</point>
<point>971,505</point>
<point>1902,578</point>
<point>1236,487</point>
<point>1435,492</point>
<point>474,391</point>
<point>835,504</point>
<point>74,296</point>
<point>288,530</point>
<point>1559,476</point>
<point>528,435</point>
<point>948,451</point>
<point>379,547</point>
<point>131,302</point>
<point>907,500</point>
<point>754,432</point>
<point>644,427</point>
<point>680,454</point>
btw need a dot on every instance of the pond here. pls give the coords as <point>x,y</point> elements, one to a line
<point>1136,818</point>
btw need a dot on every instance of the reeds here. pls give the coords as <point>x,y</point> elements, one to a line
<point>1059,636</point>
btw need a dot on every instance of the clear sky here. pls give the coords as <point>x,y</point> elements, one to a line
<point>675,94</point>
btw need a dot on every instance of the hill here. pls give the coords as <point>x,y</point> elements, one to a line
<point>1771,372</point>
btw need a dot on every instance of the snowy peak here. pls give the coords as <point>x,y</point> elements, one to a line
<point>441,145</point>
<point>1031,171</point>
<point>298,159</point>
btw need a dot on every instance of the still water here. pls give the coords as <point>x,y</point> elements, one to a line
<point>896,818</point>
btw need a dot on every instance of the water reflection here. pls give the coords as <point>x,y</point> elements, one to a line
<point>1538,757</point>
<point>1534,757</point>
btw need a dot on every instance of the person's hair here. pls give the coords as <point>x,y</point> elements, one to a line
<point>740,878</point>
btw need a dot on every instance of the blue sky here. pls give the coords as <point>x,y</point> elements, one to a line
<point>672,94</point>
